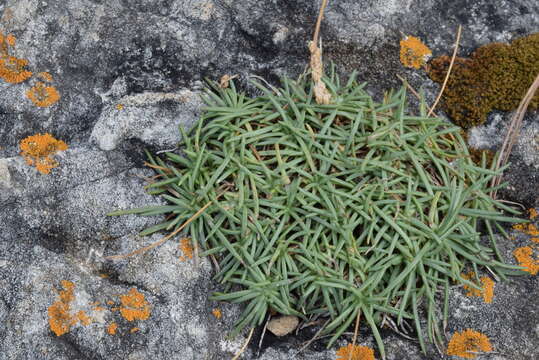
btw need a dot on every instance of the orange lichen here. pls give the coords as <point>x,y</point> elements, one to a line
<point>134,306</point>
<point>134,330</point>
<point>38,150</point>
<point>112,328</point>
<point>533,213</point>
<point>60,317</point>
<point>99,308</point>
<point>217,313</point>
<point>496,76</point>
<point>468,344</point>
<point>119,107</point>
<point>414,53</point>
<point>83,318</point>
<point>42,95</point>
<point>45,76</point>
<point>528,229</point>
<point>355,352</point>
<point>10,39</point>
<point>13,70</point>
<point>524,256</point>
<point>487,287</point>
<point>187,249</point>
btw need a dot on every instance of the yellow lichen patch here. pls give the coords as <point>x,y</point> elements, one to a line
<point>355,352</point>
<point>45,76</point>
<point>119,107</point>
<point>13,70</point>
<point>38,150</point>
<point>496,76</point>
<point>528,229</point>
<point>468,344</point>
<point>112,328</point>
<point>42,95</point>
<point>83,318</point>
<point>487,287</point>
<point>525,258</point>
<point>134,330</point>
<point>187,249</point>
<point>414,53</point>
<point>533,213</point>
<point>10,39</point>
<point>60,317</point>
<point>217,313</point>
<point>134,306</point>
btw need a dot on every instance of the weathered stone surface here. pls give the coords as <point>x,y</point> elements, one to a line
<point>150,56</point>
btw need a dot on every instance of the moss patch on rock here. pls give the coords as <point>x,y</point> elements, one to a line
<point>496,76</point>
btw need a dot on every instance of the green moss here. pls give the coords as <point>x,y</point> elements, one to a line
<point>496,76</point>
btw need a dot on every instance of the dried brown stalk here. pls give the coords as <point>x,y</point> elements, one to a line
<point>163,240</point>
<point>356,329</point>
<point>448,71</point>
<point>321,93</point>
<point>237,356</point>
<point>513,131</point>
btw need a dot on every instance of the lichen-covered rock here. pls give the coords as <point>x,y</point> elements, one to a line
<point>127,74</point>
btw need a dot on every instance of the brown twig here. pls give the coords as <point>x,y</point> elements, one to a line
<point>412,90</point>
<point>319,20</point>
<point>167,170</point>
<point>356,329</point>
<point>448,71</point>
<point>163,240</point>
<point>321,93</point>
<point>263,334</point>
<point>237,356</point>
<point>315,337</point>
<point>513,131</point>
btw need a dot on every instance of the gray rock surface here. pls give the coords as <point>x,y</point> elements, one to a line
<point>150,56</point>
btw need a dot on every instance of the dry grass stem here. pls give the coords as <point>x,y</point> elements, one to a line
<point>455,50</point>
<point>356,329</point>
<point>513,131</point>
<point>412,90</point>
<point>237,356</point>
<point>163,240</point>
<point>315,337</point>
<point>321,93</point>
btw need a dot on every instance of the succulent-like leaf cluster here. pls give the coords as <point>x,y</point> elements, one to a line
<point>355,208</point>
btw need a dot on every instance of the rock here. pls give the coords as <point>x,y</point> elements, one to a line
<point>153,118</point>
<point>151,57</point>
<point>283,325</point>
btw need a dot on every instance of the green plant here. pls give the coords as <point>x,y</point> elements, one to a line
<point>350,209</point>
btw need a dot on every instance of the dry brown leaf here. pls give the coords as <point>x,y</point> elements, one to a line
<point>225,79</point>
<point>283,325</point>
